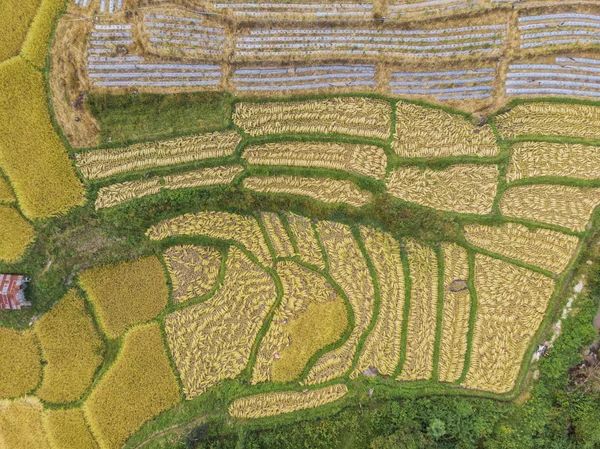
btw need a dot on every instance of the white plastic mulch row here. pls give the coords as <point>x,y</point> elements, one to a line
<point>280,10</point>
<point>550,30</point>
<point>567,77</point>
<point>132,71</point>
<point>109,6</point>
<point>184,34</point>
<point>428,7</point>
<point>304,78</point>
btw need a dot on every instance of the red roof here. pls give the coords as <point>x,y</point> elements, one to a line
<point>11,293</point>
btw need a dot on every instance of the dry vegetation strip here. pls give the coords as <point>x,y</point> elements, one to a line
<point>383,344</point>
<point>16,234</point>
<point>455,313</point>
<point>67,429</point>
<point>550,119</point>
<point>278,235</point>
<point>14,22</point>
<point>219,225</point>
<point>511,302</point>
<point>99,164</point>
<point>428,132</point>
<point>422,318</point>
<point>21,424</point>
<point>331,191</point>
<point>535,159</point>
<point>348,268</point>
<point>308,246</point>
<point>212,341</point>
<point>566,206</point>
<point>126,293</point>
<point>194,270</point>
<point>544,248</point>
<point>310,317</point>
<point>365,160</point>
<point>467,189</point>
<point>31,153</point>
<point>119,193</point>
<point>270,404</point>
<point>138,386</point>
<point>20,363</point>
<point>203,177</point>
<point>71,348</point>
<point>364,117</point>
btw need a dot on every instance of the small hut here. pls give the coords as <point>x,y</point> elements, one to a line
<point>12,291</point>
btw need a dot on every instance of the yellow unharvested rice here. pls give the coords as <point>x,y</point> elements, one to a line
<point>67,429</point>
<point>310,317</point>
<point>428,132</point>
<point>21,424</point>
<point>126,293</point>
<point>125,191</point>
<point>455,313</point>
<point>212,341</point>
<point>6,193</point>
<point>270,404</point>
<point>466,189</point>
<point>14,22</point>
<point>138,386</point>
<point>349,269</point>
<point>203,177</point>
<point>544,248</point>
<point>511,302</point>
<point>278,235</point>
<point>364,117</point>
<point>550,119</point>
<point>194,270</point>
<point>308,246</point>
<point>71,348</point>
<point>365,160</point>
<point>219,225</point>
<point>31,153</point>
<point>331,191</point>
<point>98,164</point>
<point>534,159</point>
<point>16,234</point>
<point>36,44</point>
<point>422,318</point>
<point>566,206</point>
<point>20,363</point>
<point>382,347</point>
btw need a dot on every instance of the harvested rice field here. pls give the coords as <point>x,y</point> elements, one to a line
<point>354,224</point>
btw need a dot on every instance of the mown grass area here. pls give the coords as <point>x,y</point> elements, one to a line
<point>129,118</point>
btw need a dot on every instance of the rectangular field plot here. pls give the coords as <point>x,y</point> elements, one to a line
<point>364,160</point>
<point>105,6</point>
<point>340,42</point>
<point>403,8</point>
<point>295,79</point>
<point>567,77</point>
<point>550,119</point>
<point>356,116</point>
<point>548,31</point>
<point>511,302</point>
<point>450,85</point>
<point>190,35</point>
<point>296,10</point>
<point>106,38</point>
<point>545,159</point>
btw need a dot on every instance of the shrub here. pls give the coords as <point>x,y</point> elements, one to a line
<point>126,293</point>
<point>31,153</point>
<point>71,347</point>
<point>20,366</point>
<point>67,429</point>
<point>15,234</point>
<point>21,424</point>
<point>139,386</point>
<point>14,22</point>
<point>36,44</point>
